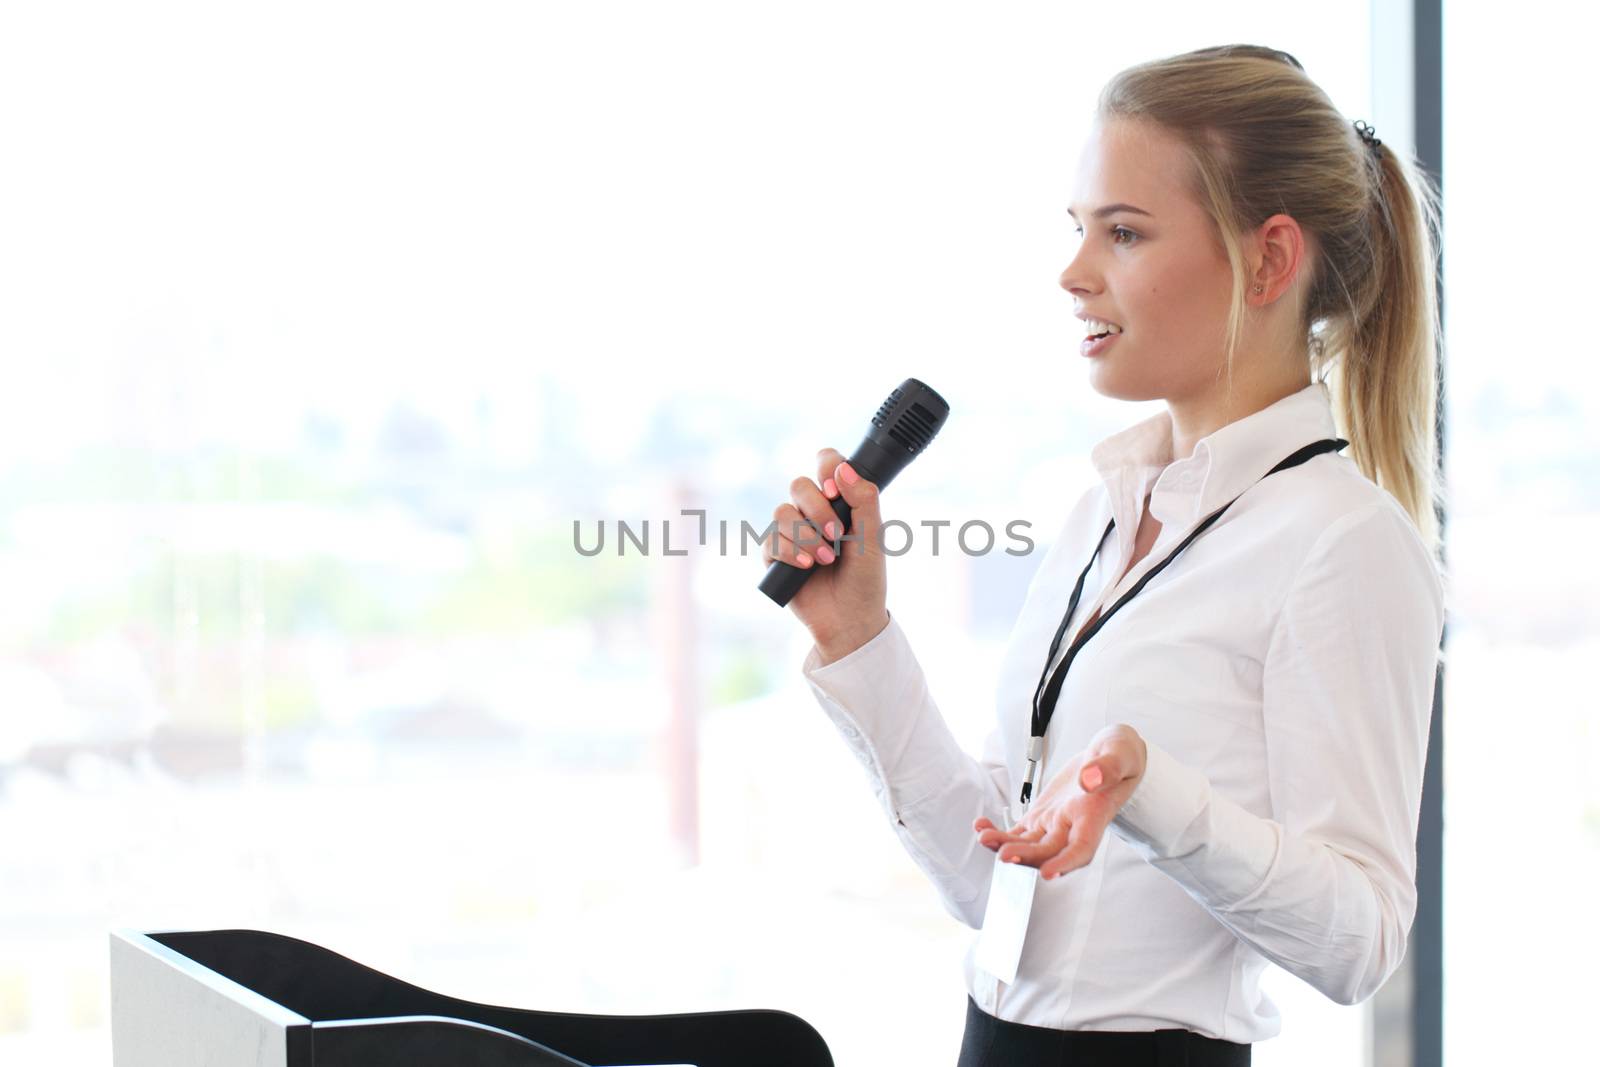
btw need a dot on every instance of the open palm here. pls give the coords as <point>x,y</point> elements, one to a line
<point>1064,825</point>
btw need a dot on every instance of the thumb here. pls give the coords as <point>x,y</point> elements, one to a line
<point>1104,768</point>
<point>862,496</point>
<point>1091,777</point>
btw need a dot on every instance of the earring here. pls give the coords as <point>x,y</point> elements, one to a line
<point>1258,288</point>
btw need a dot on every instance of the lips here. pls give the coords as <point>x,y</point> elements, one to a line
<point>1093,346</point>
<point>1100,338</point>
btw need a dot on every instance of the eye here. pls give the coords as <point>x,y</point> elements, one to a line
<point>1115,230</point>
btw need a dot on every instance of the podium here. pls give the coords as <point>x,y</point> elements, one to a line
<point>250,998</point>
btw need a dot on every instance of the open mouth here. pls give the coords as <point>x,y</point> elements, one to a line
<point>1095,329</point>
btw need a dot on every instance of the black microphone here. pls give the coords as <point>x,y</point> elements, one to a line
<point>904,425</point>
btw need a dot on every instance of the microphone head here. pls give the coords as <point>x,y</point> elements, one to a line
<point>905,424</point>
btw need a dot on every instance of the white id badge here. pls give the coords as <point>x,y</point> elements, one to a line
<point>1005,919</point>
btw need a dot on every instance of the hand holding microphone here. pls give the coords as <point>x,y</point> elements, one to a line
<point>838,587</point>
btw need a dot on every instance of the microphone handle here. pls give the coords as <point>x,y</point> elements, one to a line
<point>783,580</point>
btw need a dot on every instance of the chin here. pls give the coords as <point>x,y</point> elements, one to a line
<point>1109,381</point>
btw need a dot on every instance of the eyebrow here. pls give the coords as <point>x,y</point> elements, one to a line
<point>1112,209</point>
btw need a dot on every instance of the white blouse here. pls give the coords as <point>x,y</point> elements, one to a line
<point>1281,672</point>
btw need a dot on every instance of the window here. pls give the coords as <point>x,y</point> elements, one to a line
<point>1519,927</point>
<point>324,328</point>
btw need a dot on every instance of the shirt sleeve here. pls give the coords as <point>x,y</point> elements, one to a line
<point>1326,888</point>
<point>928,786</point>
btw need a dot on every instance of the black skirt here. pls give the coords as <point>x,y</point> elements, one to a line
<point>992,1042</point>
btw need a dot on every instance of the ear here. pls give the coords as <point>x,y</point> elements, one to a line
<point>1280,248</point>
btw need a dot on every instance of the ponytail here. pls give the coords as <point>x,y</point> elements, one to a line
<point>1385,382</point>
<point>1264,138</point>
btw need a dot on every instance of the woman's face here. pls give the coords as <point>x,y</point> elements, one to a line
<point>1151,266</point>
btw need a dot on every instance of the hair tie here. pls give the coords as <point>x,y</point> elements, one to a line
<point>1368,134</point>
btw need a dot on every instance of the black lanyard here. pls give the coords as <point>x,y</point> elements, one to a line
<point>1049,689</point>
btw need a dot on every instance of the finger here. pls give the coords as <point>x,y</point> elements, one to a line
<point>821,525</point>
<point>778,547</point>
<point>862,496</point>
<point>992,837</point>
<point>1035,852</point>
<point>828,460</point>
<point>1115,753</point>
<point>1110,765</point>
<point>1092,776</point>
<point>1081,845</point>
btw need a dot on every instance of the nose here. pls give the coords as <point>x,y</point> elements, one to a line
<point>1078,277</point>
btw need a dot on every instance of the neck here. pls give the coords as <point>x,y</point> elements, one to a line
<point>1196,417</point>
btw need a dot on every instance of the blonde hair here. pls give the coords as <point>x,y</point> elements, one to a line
<point>1265,139</point>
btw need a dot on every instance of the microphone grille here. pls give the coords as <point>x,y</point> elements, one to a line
<point>881,419</point>
<point>912,415</point>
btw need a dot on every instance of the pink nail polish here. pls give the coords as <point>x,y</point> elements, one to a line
<point>848,473</point>
<point>829,489</point>
<point>803,559</point>
<point>824,553</point>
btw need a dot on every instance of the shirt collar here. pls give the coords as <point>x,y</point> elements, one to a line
<point>1226,462</point>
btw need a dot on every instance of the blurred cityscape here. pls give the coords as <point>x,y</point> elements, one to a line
<point>365,683</point>
<point>323,329</point>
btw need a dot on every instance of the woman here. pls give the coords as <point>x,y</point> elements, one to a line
<point>1238,628</point>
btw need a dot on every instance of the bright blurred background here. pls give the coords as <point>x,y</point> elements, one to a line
<point>323,324</point>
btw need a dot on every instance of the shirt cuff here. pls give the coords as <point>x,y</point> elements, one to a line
<point>1168,799</point>
<point>866,678</point>
<point>878,700</point>
<point>930,789</point>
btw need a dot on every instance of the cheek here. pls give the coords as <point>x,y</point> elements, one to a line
<point>1186,298</point>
